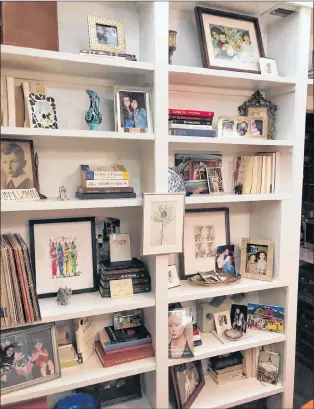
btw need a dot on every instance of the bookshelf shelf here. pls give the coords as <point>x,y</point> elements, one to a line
<point>81,375</point>
<point>211,346</point>
<point>233,198</point>
<point>192,140</point>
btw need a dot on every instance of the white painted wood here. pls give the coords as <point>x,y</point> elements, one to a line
<point>207,142</point>
<point>233,198</point>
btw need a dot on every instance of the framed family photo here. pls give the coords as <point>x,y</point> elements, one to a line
<point>106,35</point>
<point>204,230</point>
<point>233,126</point>
<point>229,41</point>
<point>163,223</point>
<point>133,111</point>
<point>63,254</point>
<point>28,357</point>
<point>257,259</point>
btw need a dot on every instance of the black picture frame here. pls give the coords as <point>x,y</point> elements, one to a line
<point>32,223</point>
<point>184,276</point>
<point>202,37</point>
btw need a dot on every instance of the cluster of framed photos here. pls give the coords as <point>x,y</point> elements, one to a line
<point>252,126</point>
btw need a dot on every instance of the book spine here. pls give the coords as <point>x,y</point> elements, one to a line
<point>11,101</point>
<point>190,118</point>
<point>118,359</point>
<point>119,346</point>
<point>105,189</point>
<point>115,195</point>
<point>137,270</point>
<point>135,282</point>
<point>184,112</point>
<point>136,290</point>
<point>127,349</point>
<point>188,126</point>
<point>133,265</point>
<point>105,183</point>
<point>105,175</point>
<point>192,132</point>
<point>197,343</point>
<point>190,121</point>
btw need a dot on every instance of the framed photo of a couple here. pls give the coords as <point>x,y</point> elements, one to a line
<point>257,259</point>
<point>133,112</point>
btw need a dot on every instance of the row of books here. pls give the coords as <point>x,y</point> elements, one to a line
<point>117,346</point>
<point>134,269</point>
<point>257,174</point>
<point>19,303</point>
<point>182,122</point>
<point>105,182</point>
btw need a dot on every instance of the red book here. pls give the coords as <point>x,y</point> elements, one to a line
<point>189,112</point>
<point>30,404</point>
<point>123,357</point>
<point>129,349</point>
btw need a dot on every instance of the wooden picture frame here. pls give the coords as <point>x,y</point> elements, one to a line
<point>190,264</point>
<point>55,245</point>
<point>253,265</point>
<point>179,386</point>
<point>219,52</point>
<point>100,40</point>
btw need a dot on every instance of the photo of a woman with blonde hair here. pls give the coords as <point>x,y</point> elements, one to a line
<point>180,333</point>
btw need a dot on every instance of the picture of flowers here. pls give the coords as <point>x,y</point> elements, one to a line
<point>163,215</point>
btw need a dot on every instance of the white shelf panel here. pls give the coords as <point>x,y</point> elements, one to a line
<point>229,141</point>
<point>233,198</point>
<point>73,203</point>
<point>71,133</point>
<point>89,304</point>
<point>205,77</point>
<point>212,346</point>
<point>215,396</point>
<point>137,403</point>
<point>70,64</point>
<point>189,292</point>
<point>79,376</point>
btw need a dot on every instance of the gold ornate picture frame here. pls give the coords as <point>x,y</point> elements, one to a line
<point>257,259</point>
<point>106,35</point>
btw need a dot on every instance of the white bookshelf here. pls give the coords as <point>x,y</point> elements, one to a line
<point>186,84</point>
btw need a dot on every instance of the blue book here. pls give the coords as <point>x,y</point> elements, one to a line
<point>193,132</point>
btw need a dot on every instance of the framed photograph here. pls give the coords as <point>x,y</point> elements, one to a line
<point>222,321</point>
<point>106,35</point>
<point>234,126</point>
<point>133,111</point>
<point>63,253</point>
<point>187,382</point>
<point>192,168</point>
<point>238,317</point>
<point>180,326</point>
<point>229,41</point>
<point>28,357</point>
<point>120,247</point>
<point>266,318</point>
<point>163,223</point>
<point>116,391</point>
<point>204,230</point>
<point>173,278</point>
<point>257,259</point>
<point>214,180</point>
<point>225,260</point>
<point>42,111</point>
<point>268,66</point>
<point>258,127</point>
<point>268,367</point>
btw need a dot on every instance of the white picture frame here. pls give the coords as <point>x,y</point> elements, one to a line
<point>173,277</point>
<point>222,321</point>
<point>268,66</point>
<point>120,247</point>
<point>163,216</point>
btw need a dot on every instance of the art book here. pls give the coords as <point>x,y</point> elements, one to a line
<point>180,327</point>
<point>268,367</point>
<point>266,318</point>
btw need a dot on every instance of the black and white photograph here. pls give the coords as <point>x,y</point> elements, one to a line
<point>204,237</point>
<point>214,180</point>
<point>268,367</point>
<point>222,321</point>
<point>238,317</point>
<point>227,127</point>
<point>17,164</point>
<point>257,258</point>
<point>28,357</point>
<point>42,111</point>
<point>107,34</point>
<point>187,382</point>
<point>173,277</point>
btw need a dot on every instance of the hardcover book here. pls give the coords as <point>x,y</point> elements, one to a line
<point>192,132</point>
<point>115,336</point>
<point>190,112</point>
<point>105,183</point>
<point>145,288</point>
<point>190,118</point>
<point>113,171</point>
<point>104,189</point>
<point>135,282</point>
<point>113,195</point>
<point>121,275</point>
<point>196,121</point>
<point>119,265</point>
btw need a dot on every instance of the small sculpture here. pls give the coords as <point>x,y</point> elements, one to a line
<point>63,193</point>
<point>93,116</point>
<point>63,295</point>
<point>172,43</point>
<point>175,181</point>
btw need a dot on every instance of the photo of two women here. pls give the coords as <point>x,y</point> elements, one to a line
<point>133,110</point>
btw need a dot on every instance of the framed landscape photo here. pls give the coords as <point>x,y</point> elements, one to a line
<point>163,216</point>
<point>63,254</point>
<point>106,35</point>
<point>257,259</point>
<point>29,356</point>
<point>204,230</point>
<point>229,41</point>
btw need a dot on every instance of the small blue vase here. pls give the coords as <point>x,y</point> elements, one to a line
<point>93,116</point>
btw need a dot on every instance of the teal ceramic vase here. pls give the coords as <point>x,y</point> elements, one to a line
<point>93,116</point>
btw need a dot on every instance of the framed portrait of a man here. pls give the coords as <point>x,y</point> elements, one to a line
<point>17,164</point>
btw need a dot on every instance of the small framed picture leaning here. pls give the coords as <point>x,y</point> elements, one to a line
<point>257,259</point>
<point>29,356</point>
<point>204,230</point>
<point>106,35</point>
<point>63,253</point>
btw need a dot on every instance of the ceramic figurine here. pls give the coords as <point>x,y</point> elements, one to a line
<point>93,116</point>
<point>175,181</point>
<point>63,295</point>
<point>63,193</point>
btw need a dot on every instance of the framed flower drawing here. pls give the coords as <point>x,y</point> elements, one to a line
<point>229,41</point>
<point>163,223</point>
<point>63,254</point>
<point>204,230</point>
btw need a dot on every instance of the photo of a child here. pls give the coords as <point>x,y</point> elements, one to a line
<point>257,259</point>
<point>257,127</point>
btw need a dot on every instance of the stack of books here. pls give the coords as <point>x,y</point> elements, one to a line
<point>120,56</point>
<point>118,346</point>
<point>134,269</point>
<point>182,122</point>
<point>197,340</point>
<point>257,174</point>
<point>105,182</point>
<point>226,368</point>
